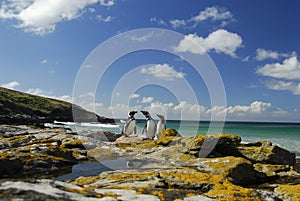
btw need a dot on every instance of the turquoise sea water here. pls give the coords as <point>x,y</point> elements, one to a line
<point>286,135</point>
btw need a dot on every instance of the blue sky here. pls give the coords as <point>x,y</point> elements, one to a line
<point>253,44</point>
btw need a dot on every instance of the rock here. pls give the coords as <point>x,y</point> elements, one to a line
<point>265,152</point>
<point>128,140</point>
<point>239,171</point>
<point>170,184</point>
<point>35,152</point>
<point>43,190</point>
<point>26,109</point>
<point>169,168</point>
<point>203,145</point>
<point>272,170</point>
<point>288,192</point>
<point>169,132</point>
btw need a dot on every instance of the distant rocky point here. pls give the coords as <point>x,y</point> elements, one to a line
<point>22,108</point>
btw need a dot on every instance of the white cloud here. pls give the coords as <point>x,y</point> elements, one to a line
<point>177,23</point>
<point>221,41</point>
<point>147,99</point>
<point>41,16</point>
<point>255,111</point>
<point>214,14</point>
<point>44,61</point>
<point>40,92</point>
<point>162,71</point>
<point>132,96</point>
<point>11,85</point>
<point>144,37</point>
<point>104,19</point>
<point>107,2</point>
<point>262,54</point>
<point>255,107</point>
<point>283,85</point>
<point>289,69</point>
<point>158,21</point>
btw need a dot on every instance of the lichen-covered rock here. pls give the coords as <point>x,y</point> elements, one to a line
<point>288,192</point>
<point>204,145</point>
<point>171,184</point>
<point>239,171</point>
<point>128,140</point>
<point>265,152</point>
<point>35,152</point>
<point>169,132</point>
<point>272,170</point>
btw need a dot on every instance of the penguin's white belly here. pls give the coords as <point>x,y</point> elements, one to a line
<point>160,127</point>
<point>130,128</point>
<point>151,129</point>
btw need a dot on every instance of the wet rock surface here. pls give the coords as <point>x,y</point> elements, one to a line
<point>169,168</point>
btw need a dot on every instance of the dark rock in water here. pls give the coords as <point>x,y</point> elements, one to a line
<point>265,152</point>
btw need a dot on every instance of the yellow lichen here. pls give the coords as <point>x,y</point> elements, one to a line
<point>85,180</point>
<point>131,176</point>
<point>288,192</point>
<point>159,194</point>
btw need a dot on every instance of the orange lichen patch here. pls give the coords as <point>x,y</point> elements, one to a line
<point>159,194</point>
<point>80,191</point>
<point>6,155</point>
<point>77,143</point>
<point>224,164</point>
<point>145,144</point>
<point>189,176</point>
<point>190,194</point>
<point>109,194</point>
<point>187,157</point>
<point>132,176</point>
<point>81,181</point>
<point>169,132</point>
<point>270,169</point>
<point>167,140</point>
<point>226,191</point>
<point>288,192</point>
<point>16,140</point>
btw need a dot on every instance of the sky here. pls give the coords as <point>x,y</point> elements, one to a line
<point>247,68</point>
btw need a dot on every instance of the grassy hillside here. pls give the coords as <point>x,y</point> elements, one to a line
<point>18,107</point>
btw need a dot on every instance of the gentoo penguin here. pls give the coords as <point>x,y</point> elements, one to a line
<point>161,125</point>
<point>129,128</point>
<point>150,127</point>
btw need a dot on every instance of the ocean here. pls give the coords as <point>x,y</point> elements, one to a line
<point>285,135</point>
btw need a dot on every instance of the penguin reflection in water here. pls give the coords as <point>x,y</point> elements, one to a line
<point>129,127</point>
<point>150,127</point>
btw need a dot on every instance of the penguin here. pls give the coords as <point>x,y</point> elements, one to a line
<point>161,125</point>
<point>150,127</point>
<point>129,128</point>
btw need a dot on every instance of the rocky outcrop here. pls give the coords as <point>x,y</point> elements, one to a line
<point>21,108</point>
<point>169,168</point>
<point>265,152</point>
<point>32,152</point>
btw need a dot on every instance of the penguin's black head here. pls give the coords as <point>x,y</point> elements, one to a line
<point>132,113</point>
<point>146,114</point>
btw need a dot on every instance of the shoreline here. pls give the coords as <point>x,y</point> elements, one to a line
<point>168,168</point>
